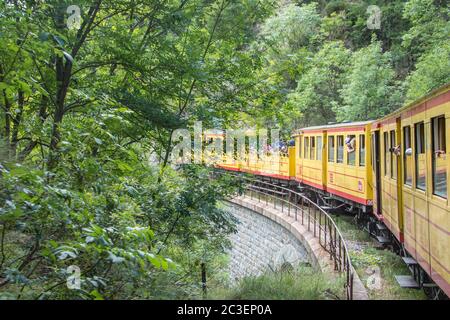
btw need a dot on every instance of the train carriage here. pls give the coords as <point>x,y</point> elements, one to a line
<point>348,169</point>
<point>310,157</point>
<point>335,160</point>
<point>413,197</point>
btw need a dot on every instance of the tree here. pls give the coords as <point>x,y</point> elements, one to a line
<point>370,90</point>
<point>80,112</point>
<point>318,89</point>
<point>431,72</point>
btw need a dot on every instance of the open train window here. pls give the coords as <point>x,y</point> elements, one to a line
<point>393,156</point>
<point>331,148</point>
<point>419,130</point>
<point>386,154</point>
<point>340,149</point>
<point>373,154</point>
<point>350,143</point>
<point>439,157</point>
<point>300,147</point>
<point>306,153</point>
<point>362,150</point>
<point>319,148</point>
<point>407,155</point>
<point>313,148</point>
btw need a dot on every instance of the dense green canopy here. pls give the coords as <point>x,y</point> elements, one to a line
<point>87,114</point>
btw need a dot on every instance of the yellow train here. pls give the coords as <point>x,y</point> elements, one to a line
<point>392,172</point>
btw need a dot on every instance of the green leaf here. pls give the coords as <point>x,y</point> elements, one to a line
<point>96,295</point>
<point>115,259</point>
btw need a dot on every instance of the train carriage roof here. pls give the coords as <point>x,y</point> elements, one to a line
<point>440,94</point>
<point>333,126</point>
<point>443,92</point>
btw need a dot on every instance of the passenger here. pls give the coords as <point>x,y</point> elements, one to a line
<point>283,147</point>
<point>291,143</point>
<point>440,154</point>
<point>396,150</point>
<point>350,142</point>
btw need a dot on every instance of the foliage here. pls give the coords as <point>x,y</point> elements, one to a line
<point>86,118</point>
<point>319,87</point>
<point>303,283</point>
<point>431,73</point>
<point>119,232</point>
<point>370,90</point>
<point>324,64</point>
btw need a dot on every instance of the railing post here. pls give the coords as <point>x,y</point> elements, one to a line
<point>315,219</point>
<point>296,204</point>
<point>303,212</point>
<point>320,227</point>
<point>335,250</point>
<point>309,216</point>
<point>340,254</point>
<point>289,203</point>
<point>331,239</point>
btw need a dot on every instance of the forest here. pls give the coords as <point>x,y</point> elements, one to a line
<point>89,100</point>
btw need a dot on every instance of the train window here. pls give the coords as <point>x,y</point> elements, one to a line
<point>386,154</point>
<point>362,150</point>
<point>439,157</point>
<point>407,155</point>
<point>306,153</point>
<point>419,130</point>
<point>374,148</point>
<point>340,149</point>
<point>319,148</point>
<point>331,148</point>
<point>313,148</point>
<point>393,156</point>
<point>350,143</point>
<point>300,147</point>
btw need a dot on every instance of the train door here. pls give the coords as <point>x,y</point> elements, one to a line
<point>376,164</point>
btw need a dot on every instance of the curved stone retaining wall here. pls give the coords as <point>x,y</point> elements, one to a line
<point>253,252</point>
<point>261,244</point>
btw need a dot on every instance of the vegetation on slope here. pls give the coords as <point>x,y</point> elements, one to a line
<point>301,283</point>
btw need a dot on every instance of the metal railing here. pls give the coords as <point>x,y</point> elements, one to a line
<point>309,214</point>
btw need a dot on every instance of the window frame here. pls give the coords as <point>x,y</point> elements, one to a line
<point>393,159</point>
<point>351,153</point>
<point>306,148</point>
<point>362,140</point>
<point>437,136</point>
<point>386,154</point>
<point>300,145</point>
<point>319,147</point>
<point>417,150</point>
<point>340,137</point>
<point>312,145</point>
<point>333,154</point>
<point>407,143</point>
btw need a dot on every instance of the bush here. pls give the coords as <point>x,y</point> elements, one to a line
<point>303,283</point>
